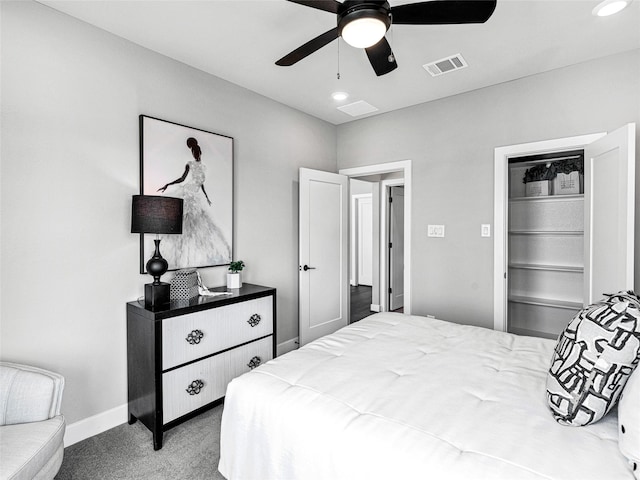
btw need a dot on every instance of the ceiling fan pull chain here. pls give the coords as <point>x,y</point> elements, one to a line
<point>338,74</point>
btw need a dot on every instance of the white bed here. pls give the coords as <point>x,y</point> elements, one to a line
<point>401,397</point>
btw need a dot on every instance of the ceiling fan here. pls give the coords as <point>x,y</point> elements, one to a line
<point>363,24</point>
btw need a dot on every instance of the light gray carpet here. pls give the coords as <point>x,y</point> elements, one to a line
<point>190,451</point>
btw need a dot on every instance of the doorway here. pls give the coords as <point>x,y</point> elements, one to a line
<point>324,248</point>
<point>361,249</point>
<point>384,176</point>
<point>376,245</point>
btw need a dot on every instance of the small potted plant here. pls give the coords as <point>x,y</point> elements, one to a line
<point>537,180</point>
<point>233,278</point>
<point>569,176</point>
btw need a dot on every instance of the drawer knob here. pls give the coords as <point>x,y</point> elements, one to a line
<point>254,362</point>
<point>254,319</point>
<point>194,337</point>
<point>195,387</point>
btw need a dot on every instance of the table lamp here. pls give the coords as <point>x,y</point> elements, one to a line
<point>156,214</point>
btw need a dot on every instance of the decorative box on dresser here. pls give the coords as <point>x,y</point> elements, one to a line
<point>180,359</point>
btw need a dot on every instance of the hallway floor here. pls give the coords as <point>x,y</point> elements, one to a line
<point>360,303</point>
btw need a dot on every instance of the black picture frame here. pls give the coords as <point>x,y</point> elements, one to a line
<point>197,165</point>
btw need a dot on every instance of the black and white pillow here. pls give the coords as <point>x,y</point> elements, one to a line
<point>629,422</point>
<point>594,357</point>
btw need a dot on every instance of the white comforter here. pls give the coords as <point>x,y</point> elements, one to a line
<point>401,397</point>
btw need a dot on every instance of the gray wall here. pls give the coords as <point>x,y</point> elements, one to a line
<point>70,100</point>
<point>451,143</point>
<point>71,96</point>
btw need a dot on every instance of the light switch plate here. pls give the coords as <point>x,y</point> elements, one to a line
<point>485,230</point>
<point>435,230</point>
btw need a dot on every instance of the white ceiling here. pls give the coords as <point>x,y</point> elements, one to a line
<point>239,41</point>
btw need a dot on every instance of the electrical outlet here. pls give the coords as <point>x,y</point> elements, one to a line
<point>435,230</point>
<point>485,230</point>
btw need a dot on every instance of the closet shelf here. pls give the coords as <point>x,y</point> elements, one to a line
<point>546,302</point>
<point>548,198</point>
<point>552,268</point>
<point>547,232</point>
<point>533,333</point>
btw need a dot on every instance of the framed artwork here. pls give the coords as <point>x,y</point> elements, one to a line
<point>197,166</point>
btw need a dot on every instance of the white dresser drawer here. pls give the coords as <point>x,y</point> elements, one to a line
<point>193,386</point>
<point>195,335</point>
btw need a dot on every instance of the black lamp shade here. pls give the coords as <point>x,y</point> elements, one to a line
<point>156,214</point>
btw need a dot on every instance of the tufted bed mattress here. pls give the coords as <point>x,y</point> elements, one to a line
<point>401,397</point>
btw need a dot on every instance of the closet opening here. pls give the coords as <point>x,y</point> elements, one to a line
<point>537,242</point>
<point>545,235</point>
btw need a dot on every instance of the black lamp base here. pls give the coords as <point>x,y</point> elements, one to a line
<point>156,295</point>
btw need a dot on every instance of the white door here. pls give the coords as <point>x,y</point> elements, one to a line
<point>609,193</point>
<point>323,250</point>
<point>396,255</point>
<point>365,241</point>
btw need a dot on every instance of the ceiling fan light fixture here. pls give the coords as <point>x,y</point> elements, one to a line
<point>364,23</point>
<point>610,7</point>
<point>364,32</point>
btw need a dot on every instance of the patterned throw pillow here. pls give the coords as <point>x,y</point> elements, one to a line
<point>593,359</point>
<point>629,422</point>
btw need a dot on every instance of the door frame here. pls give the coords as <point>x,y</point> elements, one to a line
<point>385,239</point>
<point>500,209</point>
<point>404,167</point>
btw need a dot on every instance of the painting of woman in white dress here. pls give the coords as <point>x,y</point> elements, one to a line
<point>196,166</point>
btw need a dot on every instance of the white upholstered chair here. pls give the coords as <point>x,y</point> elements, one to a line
<point>31,426</point>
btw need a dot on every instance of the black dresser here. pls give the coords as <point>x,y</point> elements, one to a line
<point>180,359</point>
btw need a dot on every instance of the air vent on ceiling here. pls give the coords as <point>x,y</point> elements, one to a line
<point>445,65</point>
<point>358,108</point>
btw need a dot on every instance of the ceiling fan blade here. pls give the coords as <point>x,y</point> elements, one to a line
<point>325,5</point>
<point>443,12</point>
<point>381,57</point>
<point>308,48</point>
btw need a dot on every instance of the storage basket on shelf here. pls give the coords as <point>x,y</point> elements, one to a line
<point>561,177</point>
<point>537,181</point>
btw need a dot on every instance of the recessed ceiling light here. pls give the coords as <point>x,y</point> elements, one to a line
<point>338,96</point>
<point>609,7</point>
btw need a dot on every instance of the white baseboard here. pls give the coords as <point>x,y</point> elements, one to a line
<point>374,308</point>
<point>88,427</point>
<point>96,424</point>
<point>287,346</point>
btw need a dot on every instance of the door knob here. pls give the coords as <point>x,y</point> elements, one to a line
<point>307,267</point>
